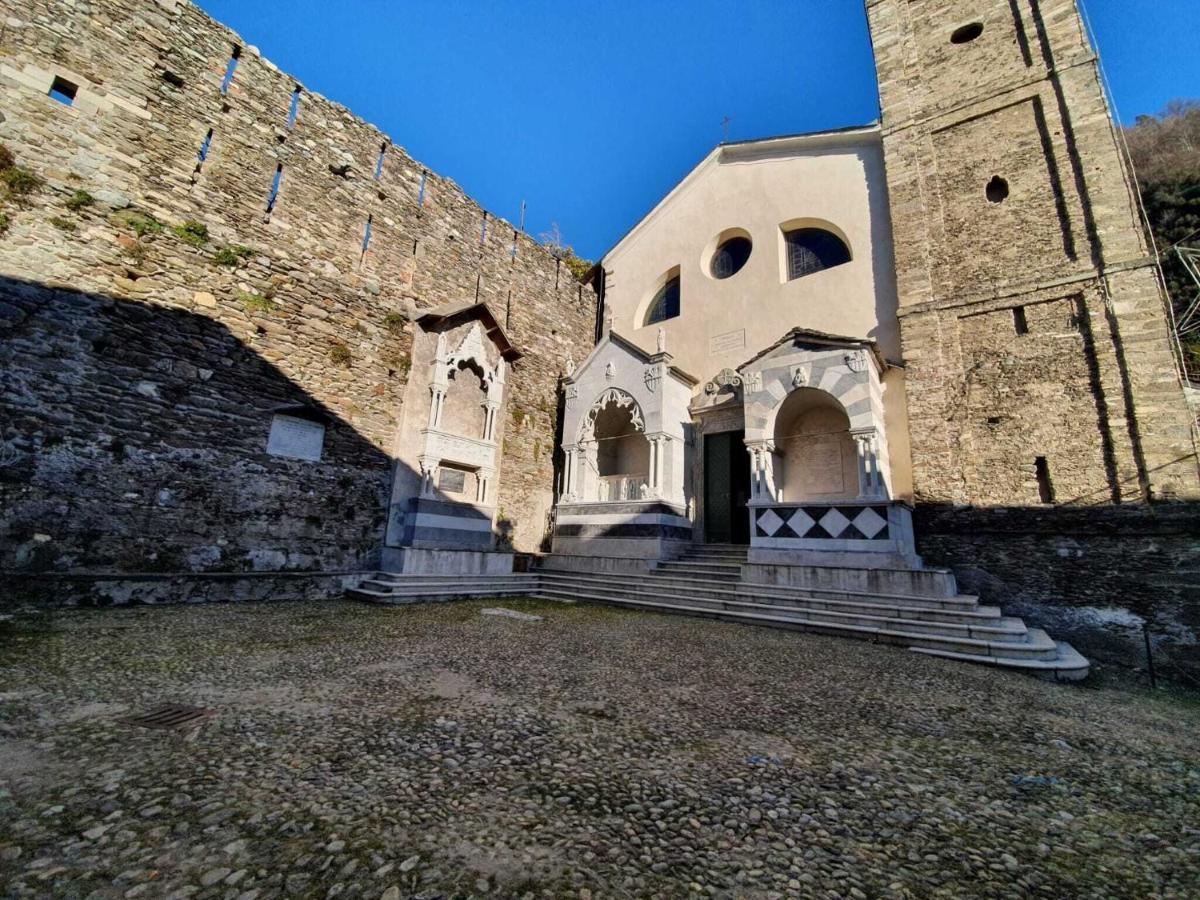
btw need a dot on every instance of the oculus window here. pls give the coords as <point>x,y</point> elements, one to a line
<point>731,255</point>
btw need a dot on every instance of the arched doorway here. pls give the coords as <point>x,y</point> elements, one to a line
<point>818,456</point>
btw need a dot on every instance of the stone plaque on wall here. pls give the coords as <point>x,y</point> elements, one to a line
<point>452,481</point>
<point>296,438</point>
<point>730,340</point>
<point>821,468</point>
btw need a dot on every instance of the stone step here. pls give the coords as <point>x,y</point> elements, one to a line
<point>968,613</point>
<point>1067,665</point>
<point>699,570</point>
<point>717,587</point>
<point>435,595</point>
<point>394,587</point>
<point>1037,644</point>
<point>993,629</point>
<point>418,579</point>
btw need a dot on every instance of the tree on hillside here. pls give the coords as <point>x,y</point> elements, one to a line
<point>1166,154</point>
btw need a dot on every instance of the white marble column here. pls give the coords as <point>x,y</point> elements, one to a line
<point>436,402</point>
<point>589,475</point>
<point>491,408</point>
<point>429,470</point>
<point>870,478</point>
<point>762,471</point>
<point>483,482</point>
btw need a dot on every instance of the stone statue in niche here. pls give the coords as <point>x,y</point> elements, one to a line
<point>610,371</point>
<point>799,377</point>
<point>661,341</point>
<point>569,367</point>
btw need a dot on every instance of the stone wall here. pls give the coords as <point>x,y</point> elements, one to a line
<point>1040,369</point>
<point>141,361</point>
<point>1092,576</point>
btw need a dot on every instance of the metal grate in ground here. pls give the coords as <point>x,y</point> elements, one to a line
<point>169,715</point>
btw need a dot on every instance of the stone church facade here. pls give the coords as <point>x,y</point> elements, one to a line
<point>251,348</point>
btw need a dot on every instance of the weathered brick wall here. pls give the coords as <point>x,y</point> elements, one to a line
<point>1032,321</point>
<point>135,403</point>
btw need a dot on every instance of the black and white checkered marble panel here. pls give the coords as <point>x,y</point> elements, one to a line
<point>834,523</point>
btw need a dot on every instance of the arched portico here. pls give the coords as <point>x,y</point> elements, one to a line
<point>817,457</point>
<point>818,448</point>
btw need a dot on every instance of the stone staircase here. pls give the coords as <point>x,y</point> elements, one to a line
<point>708,581</point>
<point>398,588</point>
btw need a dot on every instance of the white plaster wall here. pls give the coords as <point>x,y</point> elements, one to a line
<point>835,181</point>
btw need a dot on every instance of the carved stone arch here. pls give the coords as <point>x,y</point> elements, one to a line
<point>470,348</point>
<point>798,377</point>
<point>622,400</point>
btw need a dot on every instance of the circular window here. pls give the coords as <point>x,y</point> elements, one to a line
<point>731,255</point>
<point>997,190</point>
<point>967,33</point>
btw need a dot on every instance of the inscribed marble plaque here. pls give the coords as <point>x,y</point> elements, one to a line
<point>296,438</point>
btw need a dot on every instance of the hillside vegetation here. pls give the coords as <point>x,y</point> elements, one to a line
<point>1166,153</point>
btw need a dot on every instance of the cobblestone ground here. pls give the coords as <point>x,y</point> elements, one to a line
<point>361,751</point>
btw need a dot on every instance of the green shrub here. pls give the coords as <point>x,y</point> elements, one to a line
<point>192,232</point>
<point>7,160</point>
<point>339,354</point>
<point>232,256</point>
<point>62,224</point>
<point>257,303</point>
<point>139,223</point>
<point>18,182</point>
<point>394,322</point>
<point>3,222</point>
<point>79,200</point>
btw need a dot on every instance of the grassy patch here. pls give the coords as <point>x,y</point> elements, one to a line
<point>339,354</point>
<point>192,232</point>
<point>3,222</point>
<point>139,223</point>
<point>61,224</point>
<point>19,183</point>
<point>232,256</point>
<point>394,322</point>
<point>256,303</point>
<point>79,200</point>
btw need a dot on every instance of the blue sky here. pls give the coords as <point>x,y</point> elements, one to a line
<point>591,111</point>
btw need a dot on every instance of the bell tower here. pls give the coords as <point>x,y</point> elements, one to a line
<point>1041,364</point>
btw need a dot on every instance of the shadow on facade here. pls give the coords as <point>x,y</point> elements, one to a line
<point>133,439</point>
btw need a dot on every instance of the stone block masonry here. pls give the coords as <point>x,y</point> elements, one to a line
<point>1054,454</point>
<point>214,269</point>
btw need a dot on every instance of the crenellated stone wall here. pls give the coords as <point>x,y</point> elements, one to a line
<point>143,358</point>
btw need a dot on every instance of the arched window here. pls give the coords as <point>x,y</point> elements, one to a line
<point>665,304</point>
<point>812,250</point>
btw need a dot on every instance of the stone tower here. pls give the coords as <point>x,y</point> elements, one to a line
<point>1036,334</point>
